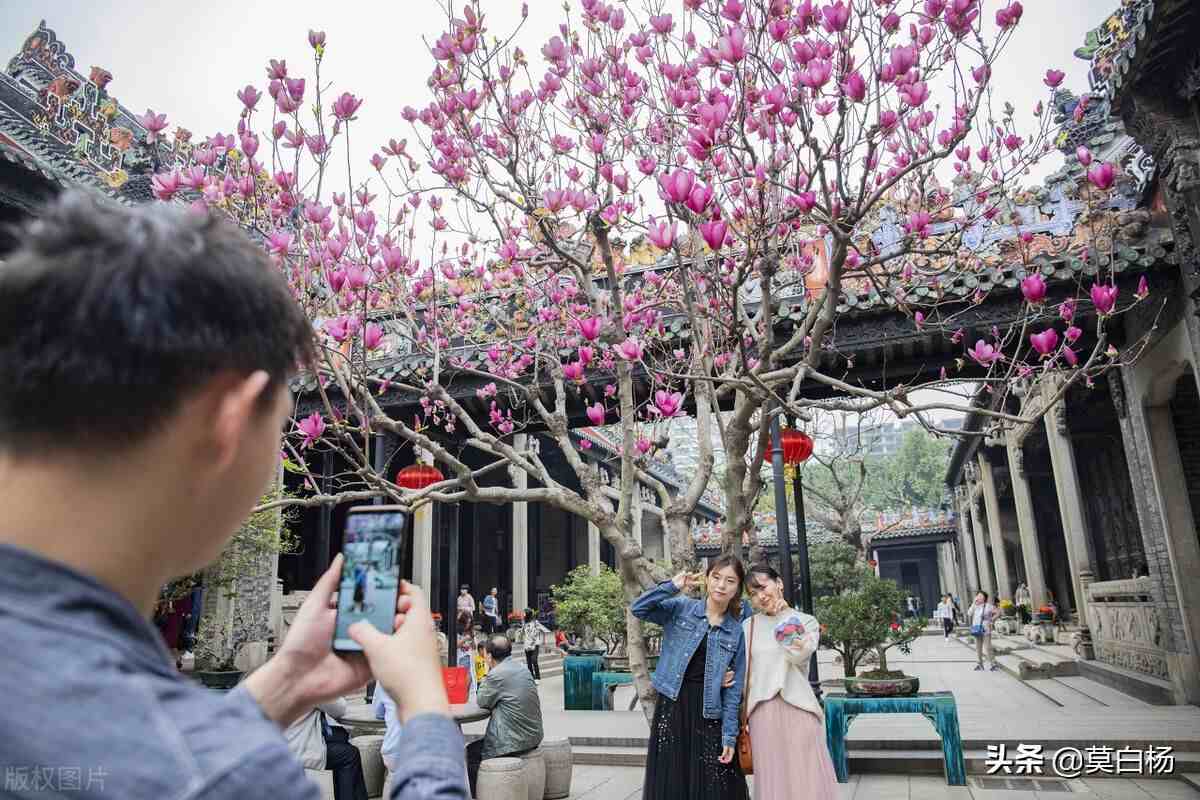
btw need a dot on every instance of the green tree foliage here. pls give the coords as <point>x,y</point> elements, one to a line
<point>592,606</point>
<point>914,476</point>
<point>836,567</point>
<point>864,619</point>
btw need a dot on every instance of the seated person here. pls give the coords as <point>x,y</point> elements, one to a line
<point>321,742</point>
<point>385,709</point>
<point>509,692</point>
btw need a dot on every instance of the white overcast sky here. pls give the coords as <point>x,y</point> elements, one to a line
<point>189,59</point>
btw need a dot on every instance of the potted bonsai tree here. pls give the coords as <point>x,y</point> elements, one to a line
<point>230,618</point>
<point>592,609</point>
<point>866,621</point>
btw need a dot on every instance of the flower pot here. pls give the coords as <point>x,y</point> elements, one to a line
<point>616,663</point>
<point>218,679</point>
<point>586,651</point>
<point>895,684</point>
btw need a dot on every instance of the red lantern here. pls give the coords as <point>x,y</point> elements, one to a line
<point>418,476</point>
<point>797,446</point>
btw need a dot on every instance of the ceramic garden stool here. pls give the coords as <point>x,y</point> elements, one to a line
<point>559,766</point>
<point>535,773</point>
<point>323,778</point>
<point>372,762</point>
<point>501,779</point>
<point>938,707</point>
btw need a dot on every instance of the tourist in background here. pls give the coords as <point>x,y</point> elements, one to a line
<point>491,612</point>
<point>481,664</point>
<point>533,633</point>
<point>1023,601</point>
<point>465,602</point>
<point>695,727</point>
<point>787,724</point>
<point>945,613</point>
<point>981,615</point>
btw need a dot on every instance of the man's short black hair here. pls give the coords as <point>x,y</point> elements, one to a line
<point>499,647</point>
<point>111,314</point>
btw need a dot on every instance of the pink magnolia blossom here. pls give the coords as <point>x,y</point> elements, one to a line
<point>1084,155</point>
<point>1054,77</point>
<point>644,445</point>
<point>373,336</point>
<point>1010,15</point>
<point>153,123</point>
<point>1067,310</point>
<point>1104,297</point>
<point>573,371</point>
<point>1102,176</point>
<point>316,39</point>
<point>667,403</point>
<point>165,184</point>
<point>1045,342</point>
<point>249,97</point>
<point>1034,288</point>
<point>1072,335</point>
<point>1143,288</point>
<point>1070,357</point>
<point>595,414</point>
<point>661,234</point>
<point>662,24</point>
<point>630,350</point>
<point>984,353</point>
<point>589,327</point>
<point>854,87</point>
<point>313,427</point>
<point>732,48</point>
<point>713,233</point>
<point>345,106</point>
<point>677,185</point>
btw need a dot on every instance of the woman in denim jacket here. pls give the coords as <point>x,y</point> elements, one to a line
<point>694,733</point>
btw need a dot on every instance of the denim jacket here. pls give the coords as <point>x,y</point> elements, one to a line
<point>684,624</point>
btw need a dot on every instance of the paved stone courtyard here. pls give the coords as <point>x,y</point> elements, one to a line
<point>993,707</point>
<point>625,783</point>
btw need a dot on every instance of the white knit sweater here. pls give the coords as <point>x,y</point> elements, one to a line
<point>780,659</point>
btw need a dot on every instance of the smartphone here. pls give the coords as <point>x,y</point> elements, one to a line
<point>372,551</point>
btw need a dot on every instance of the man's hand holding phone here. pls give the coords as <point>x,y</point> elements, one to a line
<point>407,662</point>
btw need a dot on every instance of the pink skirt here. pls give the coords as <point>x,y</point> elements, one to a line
<point>791,759</point>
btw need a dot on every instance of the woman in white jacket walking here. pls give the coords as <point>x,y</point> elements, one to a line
<point>787,725</point>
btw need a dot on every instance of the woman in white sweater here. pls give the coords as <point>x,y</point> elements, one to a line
<point>787,725</point>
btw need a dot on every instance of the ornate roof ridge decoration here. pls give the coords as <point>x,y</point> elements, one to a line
<point>1113,47</point>
<point>70,129</point>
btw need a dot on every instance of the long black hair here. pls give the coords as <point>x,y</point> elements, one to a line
<point>735,602</point>
<point>761,568</point>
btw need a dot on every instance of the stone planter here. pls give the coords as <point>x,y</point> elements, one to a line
<point>218,679</point>
<point>586,651</point>
<point>897,686</point>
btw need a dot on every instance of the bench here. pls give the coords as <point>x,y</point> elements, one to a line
<point>938,707</point>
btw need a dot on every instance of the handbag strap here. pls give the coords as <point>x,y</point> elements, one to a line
<point>749,667</point>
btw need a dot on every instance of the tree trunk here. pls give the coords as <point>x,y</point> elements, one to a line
<point>638,665</point>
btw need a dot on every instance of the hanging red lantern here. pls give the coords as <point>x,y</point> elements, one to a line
<point>418,476</point>
<point>797,446</point>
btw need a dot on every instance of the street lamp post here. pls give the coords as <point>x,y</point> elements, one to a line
<point>796,454</point>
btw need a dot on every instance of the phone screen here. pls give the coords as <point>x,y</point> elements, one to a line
<point>372,551</point>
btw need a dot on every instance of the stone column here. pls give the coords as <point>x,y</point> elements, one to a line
<point>423,547</point>
<point>1026,523</point>
<point>991,502</point>
<point>1080,553</point>
<point>520,529</point>
<point>981,555</point>
<point>593,548</point>
<point>966,537</point>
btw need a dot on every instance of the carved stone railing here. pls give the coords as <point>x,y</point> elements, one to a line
<point>1127,626</point>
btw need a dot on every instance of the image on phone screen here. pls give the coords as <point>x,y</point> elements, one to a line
<point>373,549</point>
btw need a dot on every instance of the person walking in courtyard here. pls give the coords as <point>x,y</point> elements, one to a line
<point>1023,600</point>
<point>981,615</point>
<point>945,613</point>
<point>154,400</point>
<point>534,634</point>
<point>787,724</point>
<point>695,727</point>
<point>491,612</point>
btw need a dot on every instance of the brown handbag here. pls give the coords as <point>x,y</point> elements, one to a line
<point>744,752</point>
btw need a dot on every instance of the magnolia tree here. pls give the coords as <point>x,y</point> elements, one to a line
<point>658,209</point>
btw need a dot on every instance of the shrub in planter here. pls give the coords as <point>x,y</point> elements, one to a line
<point>868,620</point>
<point>593,607</point>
